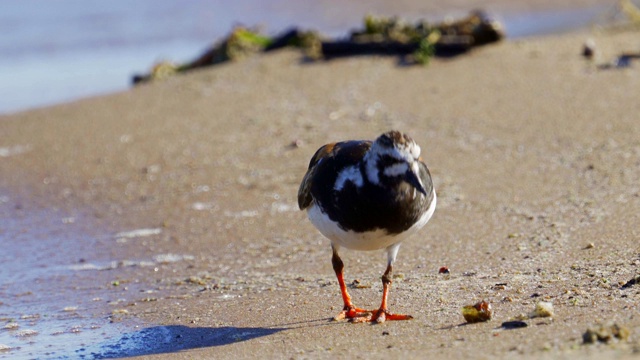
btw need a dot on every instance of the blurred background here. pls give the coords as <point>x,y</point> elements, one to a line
<point>60,50</point>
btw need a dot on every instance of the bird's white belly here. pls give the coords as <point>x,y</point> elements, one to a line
<point>371,240</point>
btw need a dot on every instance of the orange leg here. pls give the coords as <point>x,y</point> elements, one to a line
<point>349,311</point>
<point>383,314</point>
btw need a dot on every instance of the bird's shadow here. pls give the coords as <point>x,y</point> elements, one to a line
<point>174,338</point>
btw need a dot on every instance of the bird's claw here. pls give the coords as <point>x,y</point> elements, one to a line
<point>352,313</point>
<point>356,315</point>
<point>381,315</point>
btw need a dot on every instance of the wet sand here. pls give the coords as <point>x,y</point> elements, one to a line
<point>186,192</point>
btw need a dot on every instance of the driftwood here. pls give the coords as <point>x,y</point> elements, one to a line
<point>393,37</point>
<point>445,47</point>
<point>416,43</point>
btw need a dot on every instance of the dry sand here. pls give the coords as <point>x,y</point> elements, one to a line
<point>535,155</point>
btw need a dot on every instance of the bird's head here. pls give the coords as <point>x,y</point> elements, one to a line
<point>393,158</point>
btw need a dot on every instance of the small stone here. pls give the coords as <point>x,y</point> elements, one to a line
<point>297,143</point>
<point>356,284</point>
<point>478,312</point>
<point>631,282</point>
<point>605,333</point>
<point>516,324</point>
<point>589,246</point>
<point>500,286</point>
<point>543,309</point>
<point>589,48</point>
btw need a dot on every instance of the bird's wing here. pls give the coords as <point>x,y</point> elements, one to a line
<point>425,177</point>
<point>325,165</point>
<point>304,192</point>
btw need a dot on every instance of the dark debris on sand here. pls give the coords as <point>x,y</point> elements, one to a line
<point>414,43</point>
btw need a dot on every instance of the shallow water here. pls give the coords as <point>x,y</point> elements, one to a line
<point>59,291</point>
<point>69,49</point>
<point>58,299</point>
<point>520,25</point>
<point>47,309</point>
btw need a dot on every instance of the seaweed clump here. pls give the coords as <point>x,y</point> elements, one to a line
<point>415,43</point>
<point>418,42</point>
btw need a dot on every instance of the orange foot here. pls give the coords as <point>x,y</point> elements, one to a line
<point>380,316</point>
<point>352,313</point>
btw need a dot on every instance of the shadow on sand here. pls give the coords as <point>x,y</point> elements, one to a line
<point>170,339</point>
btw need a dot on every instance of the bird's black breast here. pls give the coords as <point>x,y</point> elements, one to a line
<point>363,207</point>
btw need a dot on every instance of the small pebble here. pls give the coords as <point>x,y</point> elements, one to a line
<point>479,312</point>
<point>356,284</point>
<point>514,324</point>
<point>630,283</point>
<point>543,309</point>
<point>297,143</point>
<point>605,333</point>
<point>500,286</point>
<point>589,49</point>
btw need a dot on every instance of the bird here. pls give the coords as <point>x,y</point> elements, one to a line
<point>368,195</point>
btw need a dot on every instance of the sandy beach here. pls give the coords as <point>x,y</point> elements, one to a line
<point>188,188</point>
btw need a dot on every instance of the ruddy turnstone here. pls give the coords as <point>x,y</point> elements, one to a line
<point>365,195</point>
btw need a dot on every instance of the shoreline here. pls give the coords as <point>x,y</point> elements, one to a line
<point>46,71</point>
<point>533,150</point>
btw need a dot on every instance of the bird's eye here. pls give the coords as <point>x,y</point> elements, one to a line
<point>387,160</point>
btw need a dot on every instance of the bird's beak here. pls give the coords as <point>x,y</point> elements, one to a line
<point>412,179</point>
